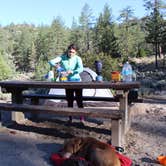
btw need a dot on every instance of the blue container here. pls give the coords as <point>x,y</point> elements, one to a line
<point>99,78</point>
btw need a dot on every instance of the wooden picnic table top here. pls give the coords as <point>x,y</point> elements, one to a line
<point>70,85</point>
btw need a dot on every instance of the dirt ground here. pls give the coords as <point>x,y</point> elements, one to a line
<point>31,143</point>
<point>146,138</point>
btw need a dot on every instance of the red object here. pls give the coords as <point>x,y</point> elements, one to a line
<point>125,161</point>
<point>58,160</point>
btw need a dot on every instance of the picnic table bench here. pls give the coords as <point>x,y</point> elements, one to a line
<point>119,118</point>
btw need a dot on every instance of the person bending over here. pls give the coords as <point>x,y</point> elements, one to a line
<point>72,67</point>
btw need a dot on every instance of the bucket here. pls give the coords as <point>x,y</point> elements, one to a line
<point>115,76</point>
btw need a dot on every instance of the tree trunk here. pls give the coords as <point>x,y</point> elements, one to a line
<point>156,52</point>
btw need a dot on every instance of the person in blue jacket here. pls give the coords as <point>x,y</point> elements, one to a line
<point>72,67</point>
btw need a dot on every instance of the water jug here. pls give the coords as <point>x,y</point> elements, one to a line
<point>127,72</point>
<point>50,75</point>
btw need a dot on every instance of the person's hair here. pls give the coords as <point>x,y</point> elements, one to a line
<point>72,46</point>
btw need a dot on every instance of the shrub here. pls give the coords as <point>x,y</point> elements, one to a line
<point>5,70</point>
<point>142,53</point>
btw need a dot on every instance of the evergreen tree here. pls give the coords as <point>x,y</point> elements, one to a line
<point>128,21</point>
<point>5,69</point>
<point>74,32</point>
<point>84,31</point>
<point>154,26</point>
<point>32,56</point>
<point>106,41</point>
<point>50,42</point>
<point>21,51</point>
<point>42,45</point>
<point>58,37</point>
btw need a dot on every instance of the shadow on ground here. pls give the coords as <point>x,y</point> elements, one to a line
<point>57,128</point>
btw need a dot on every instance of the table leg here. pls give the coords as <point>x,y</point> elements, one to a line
<point>34,101</point>
<point>18,99</point>
<point>124,108</point>
<point>116,132</point>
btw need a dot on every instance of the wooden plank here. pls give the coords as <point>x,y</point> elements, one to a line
<point>36,97</point>
<point>114,115</point>
<point>106,113</point>
<point>8,85</point>
<point>85,98</point>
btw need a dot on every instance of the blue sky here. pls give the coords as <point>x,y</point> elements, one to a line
<point>44,11</point>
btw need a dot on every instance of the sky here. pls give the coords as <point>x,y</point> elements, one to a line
<point>42,12</point>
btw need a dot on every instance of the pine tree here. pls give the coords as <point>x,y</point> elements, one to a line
<point>22,48</point>
<point>106,41</point>
<point>86,21</point>
<point>154,26</point>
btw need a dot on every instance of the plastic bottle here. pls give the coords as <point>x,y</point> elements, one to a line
<point>50,76</point>
<point>127,72</point>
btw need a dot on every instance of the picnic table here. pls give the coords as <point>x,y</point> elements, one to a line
<point>121,117</point>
